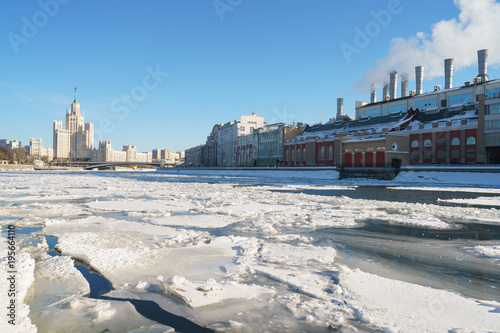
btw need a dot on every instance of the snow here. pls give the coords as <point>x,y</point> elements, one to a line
<point>395,306</point>
<point>202,293</point>
<point>480,201</point>
<point>224,248</point>
<point>487,251</point>
<point>24,278</point>
<point>483,179</point>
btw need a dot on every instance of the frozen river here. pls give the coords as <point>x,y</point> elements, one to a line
<point>252,251</point>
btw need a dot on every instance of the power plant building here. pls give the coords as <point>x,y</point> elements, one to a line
<point>451,125</point>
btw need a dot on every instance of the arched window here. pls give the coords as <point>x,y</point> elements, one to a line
<point>299,154</point>
<point>455,142</point>
<point>441,142</point>
<point>293,154</point>
<point>427,143</point>
<point>471,140</point>
<point>321,153</point>
<point>303,154</point>
<point>330,153</point>
<point>287,155</point>
<point>414,144</point>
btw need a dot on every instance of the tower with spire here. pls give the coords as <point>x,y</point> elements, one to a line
<point>76,140</point>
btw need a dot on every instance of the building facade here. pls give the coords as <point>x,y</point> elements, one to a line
<point>36,149</point>
<point>128,154</point>
<point>211,147</point>
<point>228,134</point>
<point>76,140</point>
<point>195,156</point>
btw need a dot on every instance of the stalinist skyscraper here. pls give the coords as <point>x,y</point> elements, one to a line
<point>76,141</point>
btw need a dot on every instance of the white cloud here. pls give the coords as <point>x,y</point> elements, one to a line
<point>460,38</point>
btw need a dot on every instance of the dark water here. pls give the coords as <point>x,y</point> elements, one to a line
<point>395,195</point>
<point>434,258</point>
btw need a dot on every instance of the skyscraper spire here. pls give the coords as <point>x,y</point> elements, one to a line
<point>75,95</point>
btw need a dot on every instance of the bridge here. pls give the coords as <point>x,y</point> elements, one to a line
<point>111,165</point>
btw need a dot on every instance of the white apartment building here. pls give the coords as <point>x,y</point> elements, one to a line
<point>229,133</point>
<point>128,154</point>
<point>36,149</point>
<point>76,140</point>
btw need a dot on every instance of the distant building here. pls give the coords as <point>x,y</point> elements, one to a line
<point>36,149</point>
<point>244,150</point>
<point>268,143</point>
<point>195,156</point>
<point>229,133</point>
<point>211,147</point>
<point>13,144</point>
<point>76,140</point>
<point>128,154</point>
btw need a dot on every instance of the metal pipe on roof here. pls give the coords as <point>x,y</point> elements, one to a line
<point>340,107</point>
<point>419,79</point>
<point>393,84</point>
<point>373,93</point>
<point>482,59</point>
<point>385,91</point>
<point>404,85</point>
<point>448,73</point>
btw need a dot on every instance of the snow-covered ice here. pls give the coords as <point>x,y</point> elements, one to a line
<point>225,248</point>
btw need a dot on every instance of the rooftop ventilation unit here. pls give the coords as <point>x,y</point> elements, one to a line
<point>437,88</point>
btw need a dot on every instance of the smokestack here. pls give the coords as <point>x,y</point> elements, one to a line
<point>419,78</point>
<point>448,73</point>
<point>393,84</point>
<point>373,94</point>
<point>340,107</point>
<point>385,91</point>
<point>482,59</point>
<point>404,85</point>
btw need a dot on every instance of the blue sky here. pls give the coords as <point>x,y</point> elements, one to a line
<point>279,58</point>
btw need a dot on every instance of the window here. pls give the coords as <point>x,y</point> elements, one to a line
<point>440,142</point>
<point>492,93</point>
<point>440,154</point>
<point>373,113</point>
<point>330,152</point>
<point>299,154</point>
<point>358,150</point>
<point>321,153</point>
<point>424,105</point>
<point>427,143</point>
<point>414,144</point>
<point>293,155</point>
<point>369,149</point>
<point>455,142</point>
<point>396,108</point>
<point>495,124</point>
<point>460,99</point>
<point>471,140</point>
<point>304,154</point>
<point>380,148</point>
<point>242,128</point>
<point>414,155</point>
<point>492,109</point>
<point>486,125</point>
<point>287,155</point>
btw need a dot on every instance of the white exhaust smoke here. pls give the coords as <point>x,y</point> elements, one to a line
<point>475,28</point>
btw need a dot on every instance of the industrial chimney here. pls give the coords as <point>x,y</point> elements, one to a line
<point>448,73</point>
<point>385,91</point>
<point>419,78</point>
<point>340,107</point>
<point>393,84</point>
<point>482,59</point>
<point>404,85</point>
<point>373,93</point>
